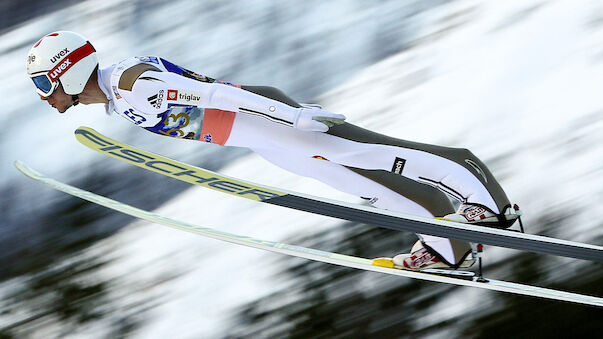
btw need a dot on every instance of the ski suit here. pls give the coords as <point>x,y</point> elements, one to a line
<point>393,174</point>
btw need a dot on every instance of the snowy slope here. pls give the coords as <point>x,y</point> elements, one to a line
<point>521,97</point>
<point>518,83</point>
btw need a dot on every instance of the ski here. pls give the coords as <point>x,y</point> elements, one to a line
<point>444,276</point>
<point>336,209</point>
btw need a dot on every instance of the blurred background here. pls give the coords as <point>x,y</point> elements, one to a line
<point>517,82</point>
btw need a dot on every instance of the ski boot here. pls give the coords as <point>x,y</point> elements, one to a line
<point>420,258</point>
<point>479,215</point>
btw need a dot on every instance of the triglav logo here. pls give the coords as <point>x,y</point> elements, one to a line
<point>187,96</point>
<point>183,96</point>
<point>172,94</point>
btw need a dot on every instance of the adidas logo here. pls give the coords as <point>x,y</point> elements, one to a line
<point>156,99</point>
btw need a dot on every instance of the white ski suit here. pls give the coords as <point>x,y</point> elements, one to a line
<point>395,174</point>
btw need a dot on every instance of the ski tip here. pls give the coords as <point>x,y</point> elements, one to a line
<point>383,262</point>
<point>20,165</point>
<point>23,168</point>
<point>82,129</point>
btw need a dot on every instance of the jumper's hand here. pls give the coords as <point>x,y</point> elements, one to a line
<point>316,119</point>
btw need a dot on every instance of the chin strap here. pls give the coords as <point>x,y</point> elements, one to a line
<point>76,100</point>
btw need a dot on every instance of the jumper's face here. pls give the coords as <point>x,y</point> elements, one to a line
<point>59,99</point>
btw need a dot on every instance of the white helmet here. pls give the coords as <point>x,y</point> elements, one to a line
<point>64,56</point>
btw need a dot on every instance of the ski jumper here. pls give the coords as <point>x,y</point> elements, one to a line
<point>393,174</point>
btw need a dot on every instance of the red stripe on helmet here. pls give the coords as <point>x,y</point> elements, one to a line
<point>68,61</point>
<point>38,43</point>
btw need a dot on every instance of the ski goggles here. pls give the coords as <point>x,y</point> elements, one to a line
<point>48,81</point>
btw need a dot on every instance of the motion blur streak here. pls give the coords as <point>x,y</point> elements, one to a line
<point>518,83</point>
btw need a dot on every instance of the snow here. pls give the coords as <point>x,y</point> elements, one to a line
<point>509,87</point>
<point>518,83</point>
